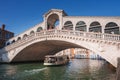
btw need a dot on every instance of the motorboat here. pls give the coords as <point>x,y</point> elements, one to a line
<point>54,60</point>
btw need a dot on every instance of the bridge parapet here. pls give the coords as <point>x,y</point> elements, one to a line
<point>60,33</point>
<point>102,44</point>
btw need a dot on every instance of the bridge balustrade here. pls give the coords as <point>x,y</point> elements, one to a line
<point>47,33</point>
<point>112,37</point>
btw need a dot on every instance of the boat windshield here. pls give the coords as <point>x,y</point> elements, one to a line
<point>50,59</point>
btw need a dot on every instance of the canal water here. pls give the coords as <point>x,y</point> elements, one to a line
<point>76,69</point>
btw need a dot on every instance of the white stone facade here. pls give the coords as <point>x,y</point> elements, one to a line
<point>59,15</point>
<point>44,38</point>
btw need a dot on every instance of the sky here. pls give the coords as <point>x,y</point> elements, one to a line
<point>20,15</point>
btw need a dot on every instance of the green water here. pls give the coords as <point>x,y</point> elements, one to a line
<point>76,69</point>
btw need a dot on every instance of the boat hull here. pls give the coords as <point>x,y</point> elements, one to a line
<point>56,64</point>
<point>52,60</point>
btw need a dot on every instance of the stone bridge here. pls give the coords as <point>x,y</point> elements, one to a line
<point>34,47</point>
<point>58,31</point>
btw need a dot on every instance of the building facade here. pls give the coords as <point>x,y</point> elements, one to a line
<point>80,53</point>
<point>4,36</point>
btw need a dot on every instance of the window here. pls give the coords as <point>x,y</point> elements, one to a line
<point>39,29</point>
<point>68,25</point>
<point>80,26</point>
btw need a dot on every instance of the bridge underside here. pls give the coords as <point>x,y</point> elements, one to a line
<point>37,51</point>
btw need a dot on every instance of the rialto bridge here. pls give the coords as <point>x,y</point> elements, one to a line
<point>58,31</point>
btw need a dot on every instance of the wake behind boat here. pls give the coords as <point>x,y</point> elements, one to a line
<point>52,60</point>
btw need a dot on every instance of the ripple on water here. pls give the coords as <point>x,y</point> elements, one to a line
<point>77,69</point>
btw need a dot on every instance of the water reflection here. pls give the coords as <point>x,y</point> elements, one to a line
<point>89,69</point>
<point>10,70</point>
<point>77,69</point>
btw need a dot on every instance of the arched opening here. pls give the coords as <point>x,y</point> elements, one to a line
<point>19,38</point>
<point>80,26</point>
<point>39,29</point>
<point>112,28</point>
<point>13,41</point>
<point>68,25</point>
<point>57,24</point>
<point>32,33</point>
<point>43,48</point>
<point>25,36</point>
<point>8,43</point>
<point>95,27</point>
<point>53,21</point>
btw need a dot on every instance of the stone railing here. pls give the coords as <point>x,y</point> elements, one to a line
<point>46,33</point>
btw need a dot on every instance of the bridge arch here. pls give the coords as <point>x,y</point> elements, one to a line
<point>36,47</point>
<point>25,36</point>
<point>68,25</point>
<point>8,43</point>
<point>19,38</point>
<point>95,27</point>
<point>58,17</point>
<point>52,20</point>
<point>39,29</point>
<point>81,26</point>
<point>112,28</point>
<point>37,50</point>
<point>32,32</point>
<point>13,41</point>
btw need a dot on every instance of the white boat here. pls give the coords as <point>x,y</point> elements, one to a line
<point>52,60</point>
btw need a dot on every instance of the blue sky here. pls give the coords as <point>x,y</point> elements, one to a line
<point>20,15</point>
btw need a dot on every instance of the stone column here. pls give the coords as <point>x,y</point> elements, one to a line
<point>118,70</point>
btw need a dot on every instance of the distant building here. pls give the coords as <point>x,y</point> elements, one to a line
<point>79,53</point>
<point>4,35</point>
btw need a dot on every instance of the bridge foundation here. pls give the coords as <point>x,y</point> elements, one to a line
<point>118,70</point>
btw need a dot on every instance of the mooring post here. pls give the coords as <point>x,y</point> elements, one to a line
<point>118,70</point>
